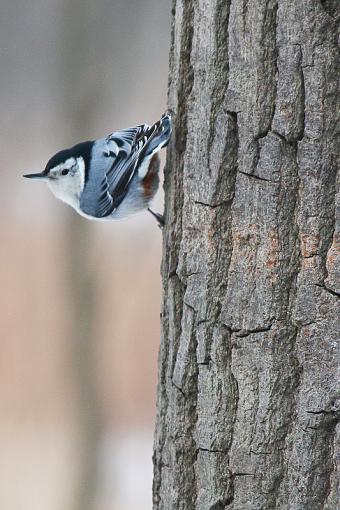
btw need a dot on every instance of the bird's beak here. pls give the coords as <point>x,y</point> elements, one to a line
<point>40,175</point>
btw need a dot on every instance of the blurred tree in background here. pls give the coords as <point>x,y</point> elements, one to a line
<point>82,69</point>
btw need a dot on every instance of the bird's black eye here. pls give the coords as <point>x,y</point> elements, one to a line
<point>65,171</point>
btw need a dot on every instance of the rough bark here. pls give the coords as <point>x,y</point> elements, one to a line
<point>248,398</point>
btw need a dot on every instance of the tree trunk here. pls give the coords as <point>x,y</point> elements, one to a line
<point>248,397</point>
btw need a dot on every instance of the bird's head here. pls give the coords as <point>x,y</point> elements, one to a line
<point>65,173</point>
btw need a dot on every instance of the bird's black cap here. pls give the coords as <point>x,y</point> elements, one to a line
<point>81,149</point>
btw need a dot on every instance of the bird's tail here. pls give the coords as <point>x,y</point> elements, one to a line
<point>160,134</point>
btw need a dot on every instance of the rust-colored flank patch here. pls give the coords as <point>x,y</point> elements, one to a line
<point>152,172</point>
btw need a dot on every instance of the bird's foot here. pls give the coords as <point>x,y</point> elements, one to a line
<point>159,217</point>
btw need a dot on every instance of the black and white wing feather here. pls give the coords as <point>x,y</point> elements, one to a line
<point>114,162</point>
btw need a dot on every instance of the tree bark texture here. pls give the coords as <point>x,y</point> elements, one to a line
<point>248,398</point>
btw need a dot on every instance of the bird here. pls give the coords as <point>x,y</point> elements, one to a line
<point>113,177</point>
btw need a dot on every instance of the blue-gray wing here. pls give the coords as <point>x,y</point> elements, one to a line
<point>114,161</point>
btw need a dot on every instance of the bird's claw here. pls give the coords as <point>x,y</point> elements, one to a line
<point>159,218</point>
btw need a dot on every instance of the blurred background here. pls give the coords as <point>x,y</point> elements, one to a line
<point>80,300</point>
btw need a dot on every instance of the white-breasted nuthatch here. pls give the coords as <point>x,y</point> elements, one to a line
<point>112,177</point>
